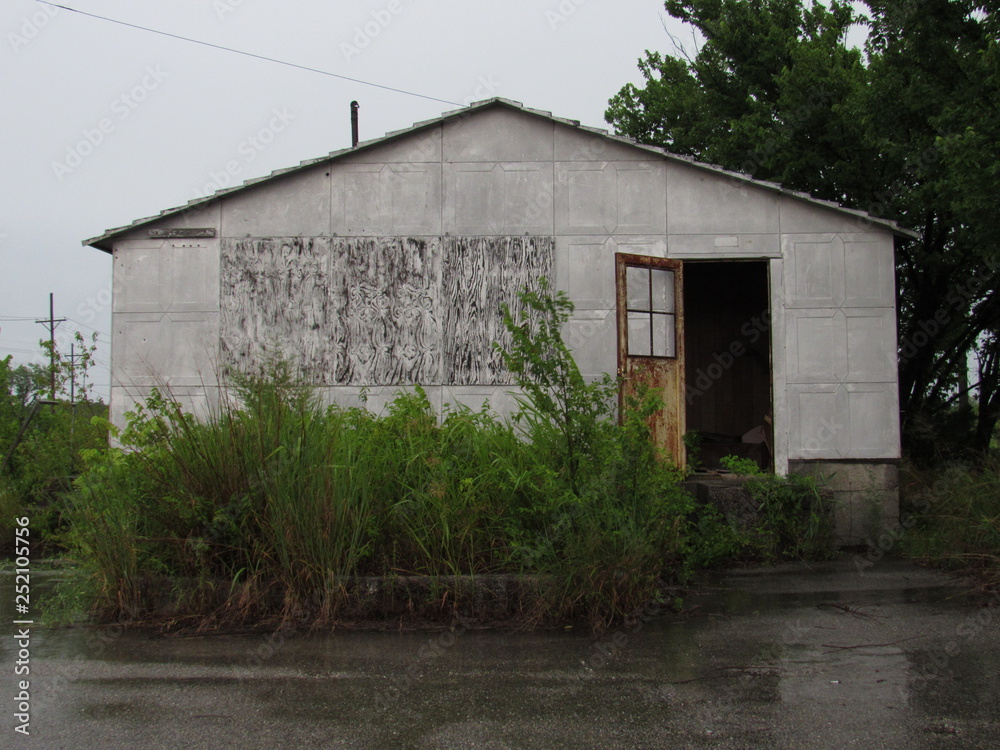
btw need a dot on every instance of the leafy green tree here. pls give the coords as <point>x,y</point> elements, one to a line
<point>907,129</point>
<point>40,461</point>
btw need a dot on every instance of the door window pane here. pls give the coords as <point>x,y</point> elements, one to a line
<point>638,334</point>
<point>664,336</point>
<point>637,283</point>
<point>663,290</point>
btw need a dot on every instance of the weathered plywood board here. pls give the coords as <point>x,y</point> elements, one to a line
<point>376,311</point>
<point>479,276</point>
<point>275,302</point>
<point>385,293</point>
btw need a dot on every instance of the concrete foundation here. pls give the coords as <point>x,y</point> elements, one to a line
<point>866,496</point>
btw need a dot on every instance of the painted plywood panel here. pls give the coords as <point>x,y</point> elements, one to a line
<point>374,311</point>
<point>275,303</point>
<point>384,293</point>
<point>479,276</point>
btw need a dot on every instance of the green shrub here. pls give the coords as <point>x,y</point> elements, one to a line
<point>795,519</point>
<point>276,506</point>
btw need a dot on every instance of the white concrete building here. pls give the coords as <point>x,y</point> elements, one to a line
<point>384,265</point>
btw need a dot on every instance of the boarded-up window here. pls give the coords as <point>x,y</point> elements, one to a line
<point>376,310</point>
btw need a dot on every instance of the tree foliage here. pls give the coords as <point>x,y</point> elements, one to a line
<point>907,129</point>
<point>40,447</point>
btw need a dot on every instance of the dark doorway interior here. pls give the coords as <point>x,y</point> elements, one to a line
<point>728,369</point>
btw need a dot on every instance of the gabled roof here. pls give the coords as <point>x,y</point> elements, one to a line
<point>103,241</point>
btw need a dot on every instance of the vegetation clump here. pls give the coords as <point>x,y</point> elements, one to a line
<point>279,507</point>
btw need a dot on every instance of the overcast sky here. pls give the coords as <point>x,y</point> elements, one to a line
<point>103,124</point>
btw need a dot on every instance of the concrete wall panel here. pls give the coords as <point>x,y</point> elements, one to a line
<point>294,206</point>
<point>173,349</point>
<point>586,198</point>
<point>483,198</point>
<point>871,345</point>
<point>873,420</point>
<point>869,271</point>
<point>579,145</point>
<point>640,197</point>
<point>817,421</point>
<point>703,202</point>
<point>799,216</point>
<point>724,246</point>
<point>386,200</point>
<point>166,275</point>
<point>592,337</point>
<point>498,135</point>
<point>424,146</point>
<point>585,270</point>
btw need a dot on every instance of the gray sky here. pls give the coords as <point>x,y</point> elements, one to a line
<point>103,124</point>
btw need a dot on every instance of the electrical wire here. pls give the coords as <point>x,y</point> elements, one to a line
<point>248,54</point>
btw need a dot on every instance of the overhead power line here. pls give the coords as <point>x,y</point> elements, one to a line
<point>249,54</point>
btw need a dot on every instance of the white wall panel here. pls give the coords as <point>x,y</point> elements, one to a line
<point>289,206</point>
<point>704,202</point>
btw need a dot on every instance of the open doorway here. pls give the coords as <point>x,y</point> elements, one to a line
<point>728,360</point>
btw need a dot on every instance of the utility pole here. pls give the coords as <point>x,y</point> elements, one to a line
<point>51,323</point>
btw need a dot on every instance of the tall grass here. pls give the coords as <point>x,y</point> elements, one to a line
<point>955,519</point>
<point>279,507</point>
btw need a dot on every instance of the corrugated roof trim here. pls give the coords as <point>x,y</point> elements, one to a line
<point>101,240</point>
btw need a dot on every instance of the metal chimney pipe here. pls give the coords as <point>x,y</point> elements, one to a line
<point>354,124</point>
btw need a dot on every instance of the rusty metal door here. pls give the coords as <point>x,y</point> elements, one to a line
<point>650,303</point>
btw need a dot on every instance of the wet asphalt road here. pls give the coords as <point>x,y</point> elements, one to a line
<point>787,657</point>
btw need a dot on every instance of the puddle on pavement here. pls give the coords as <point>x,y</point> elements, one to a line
<point>745,664</point>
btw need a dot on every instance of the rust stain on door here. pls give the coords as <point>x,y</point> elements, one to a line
<point>650,311</point>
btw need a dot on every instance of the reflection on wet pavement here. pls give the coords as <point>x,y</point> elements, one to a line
<point>788,657</point>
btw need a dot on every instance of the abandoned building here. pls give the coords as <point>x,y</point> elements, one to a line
<point>766,318</point>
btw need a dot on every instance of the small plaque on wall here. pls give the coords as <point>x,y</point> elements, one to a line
<point>181,233</point>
